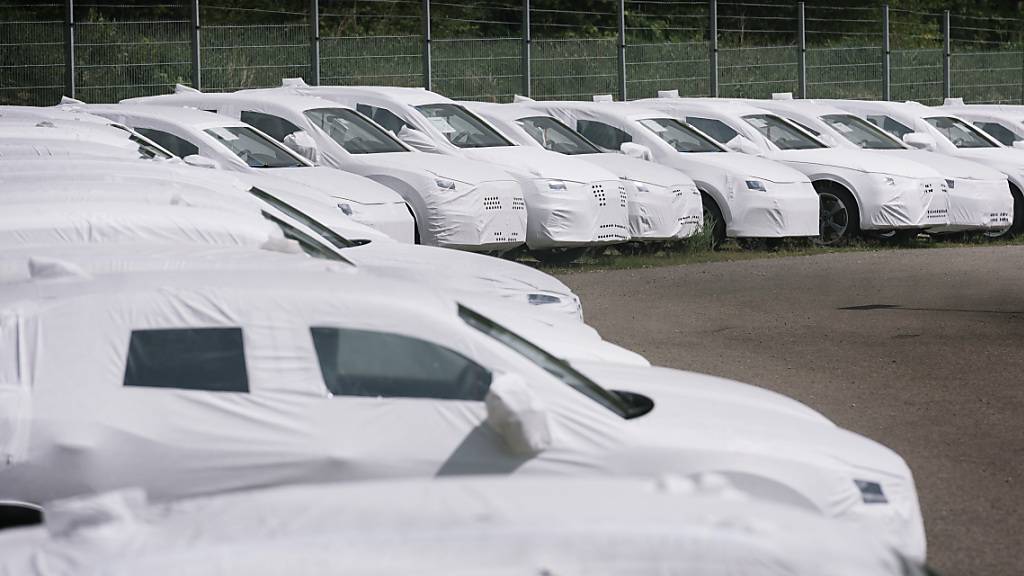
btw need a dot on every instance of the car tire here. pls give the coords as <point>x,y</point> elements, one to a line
<point>1017,226</point>
<point>559,256</point>
<point>713,214</point>
<point>839,216</point>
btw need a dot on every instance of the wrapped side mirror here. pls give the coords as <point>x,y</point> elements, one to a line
<point>200,161</point>
<point>517,415</point>
<point>743,145</point>
<point>920,141</point>
<point>634,150</point>
<point>303,144</point>
<point>417,139</point>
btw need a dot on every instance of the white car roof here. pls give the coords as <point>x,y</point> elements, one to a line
<point>521,526</point>
<point>193,117</point>
<point>711,105</point>
<point>60,112</point>
<point>622,110</point>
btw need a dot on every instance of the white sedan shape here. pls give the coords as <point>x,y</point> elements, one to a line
<point>742,196</point>
<point>232,145</point>
<point>457,203</point>
<point>572,205</point>
<point>204,382</point>
<point>979,197</point>
<point>664,204</point>
<point>860,190</point>
<point>941,131</point>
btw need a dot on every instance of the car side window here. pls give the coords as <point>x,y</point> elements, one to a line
<point>890,125</point>
<point>210,359</point>
<point>604,135</point>
<point>381,364</point>
<point>273,126</point>
<point>386,118</point>
<point>1005,136</point>
<point>175,145</point>
<point>717,129</point>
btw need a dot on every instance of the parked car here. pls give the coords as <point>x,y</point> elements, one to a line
<point>935,130</point>
<point>979,197</point>
<point>217,141</point>
<point>481,525</point>
<point>1004,122</point>
<point>187,383</point>
<point>456,203</point>
<point>742,196</point>
<point>664,204</point>
<point>572,205</point>
<point>26,138</point>
<point>860,190</point>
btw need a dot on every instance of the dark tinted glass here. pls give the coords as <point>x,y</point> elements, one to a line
<point>604,135</point>
<point>175,145</point>
<point>273,126</point>
<point>384,117</point>
<point>210,359</point>
<point>379,364</point>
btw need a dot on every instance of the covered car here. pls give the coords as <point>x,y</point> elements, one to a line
<point>572,205</point>
<point>742,196</point>
<point>482,525</point>
<point>233,145</point>
<point>22,137</point>
<point>456,203</point>
<point>211,381</point>
<point>941,131</point>
<point>979,197</point>
<point>860,190</point>
<point>664,204</point>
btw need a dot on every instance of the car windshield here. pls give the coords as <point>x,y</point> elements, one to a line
<point>308,243</point>
<point>960,133</point>
<point>461,127</point>
<point>253,148</point>
<point>555,136</point>
<point>337,240</point>
<point>781,133</point>
<point>148,149</point>
<point>861,132</point>
<point>354,133</point>
<point>556,367</point>
<point>679,135</point>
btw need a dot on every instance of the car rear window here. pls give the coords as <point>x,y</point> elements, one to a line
<point>210,359</point>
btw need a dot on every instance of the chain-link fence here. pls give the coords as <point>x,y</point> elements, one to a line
<point>105,50</point>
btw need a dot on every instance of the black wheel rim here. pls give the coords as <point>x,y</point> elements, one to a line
<point>834,220</point>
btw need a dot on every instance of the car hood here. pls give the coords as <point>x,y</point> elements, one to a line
<point>638,170</point>
<point>527,162</point>
<point>465,272</point>
<point>1008,160</point>
<point>868,161</point>
<point>451,167</point>
<point>950,166</point>
<point>744,165</point>
<point>340,184</point>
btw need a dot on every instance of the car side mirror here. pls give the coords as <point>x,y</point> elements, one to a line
<point>201,161</point>
<point>303,144</point>
<point>417,139</point>
<point>518,415</point>
<point>634,150</point>
<point>1018,144</point>
<point>743,145</point>
<point>920,141</point>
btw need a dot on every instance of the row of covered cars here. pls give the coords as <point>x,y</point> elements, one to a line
<point>208,365</point>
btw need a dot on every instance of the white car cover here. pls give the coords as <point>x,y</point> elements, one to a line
<point>489,526</point>
<point>912,123</point>
<point>663,203</point>
<point>787,205</point>
<point>979,197</point>
<point>21,138</point>
<point>456,203</point>
<point>313,387</point>
<point>229,142</point>
<point>570,203</point>
<point>890,193</point>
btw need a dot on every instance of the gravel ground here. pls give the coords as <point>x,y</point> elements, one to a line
<point>922,350</point>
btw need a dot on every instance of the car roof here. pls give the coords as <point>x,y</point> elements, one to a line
<point>192,117</point>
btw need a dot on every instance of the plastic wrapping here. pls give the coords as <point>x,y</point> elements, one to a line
<point>90,432</point>
<point>486,526</point>
<point>457,203</point>
<point>570,203</point>
<point>787,207</point>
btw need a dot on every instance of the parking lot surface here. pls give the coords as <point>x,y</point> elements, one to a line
<point>922,350</point>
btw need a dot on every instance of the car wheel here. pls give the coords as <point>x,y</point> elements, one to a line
<point>714,223</point>
<point>1017,225</point>
<point>838,219</point>
<point>559,256</point>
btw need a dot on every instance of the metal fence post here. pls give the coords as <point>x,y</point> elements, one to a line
<point>947,81</point>
<point>802,47</point>
<point>713,48</point>
<point>197,67</point>
<point>886,64</point>
<point>525,50</point>
<point>428,80</point>
<point>314,42</point>
<point>622,50</point>
<point>69,48</point>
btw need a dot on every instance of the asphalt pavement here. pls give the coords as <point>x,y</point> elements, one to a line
<point>922,350</point>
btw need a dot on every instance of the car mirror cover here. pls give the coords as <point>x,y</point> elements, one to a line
<point>515,413</point>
